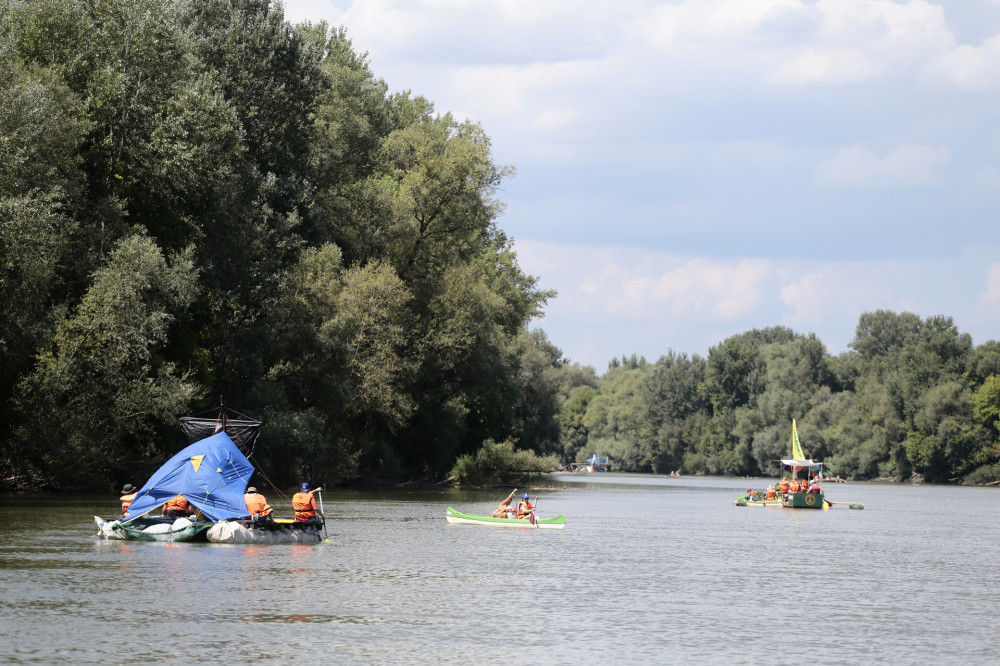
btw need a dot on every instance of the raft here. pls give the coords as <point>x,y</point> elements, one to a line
<point>154,529</point>
<point>282,530</point>
<point>743,501</point>
<point>459,518</point>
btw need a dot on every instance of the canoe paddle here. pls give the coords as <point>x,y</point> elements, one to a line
<point>322,512</point>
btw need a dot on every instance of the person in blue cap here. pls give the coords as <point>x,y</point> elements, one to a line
<point>304,504</point>
<point>524,507</point>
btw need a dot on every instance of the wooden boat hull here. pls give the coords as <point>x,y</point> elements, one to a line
<point>459,518</point>
<point>805,501</point>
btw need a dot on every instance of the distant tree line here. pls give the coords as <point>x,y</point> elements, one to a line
<point>199,199</point>
<point>912,398</point>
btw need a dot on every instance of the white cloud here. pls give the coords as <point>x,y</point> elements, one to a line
<point>991,297</point>
<point>987,178</point>
<point>906,166</point>
<point>829,66</point>
<point>967,67</point>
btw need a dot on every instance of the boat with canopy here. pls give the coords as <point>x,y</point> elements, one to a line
<point>805,491</point>
<point>212,474</point>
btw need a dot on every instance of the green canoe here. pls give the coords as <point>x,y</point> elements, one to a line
<point>457,517</point>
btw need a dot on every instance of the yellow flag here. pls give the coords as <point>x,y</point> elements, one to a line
<point>196,461</point>
<point>796,446</point>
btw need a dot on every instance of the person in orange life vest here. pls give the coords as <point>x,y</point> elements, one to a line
<point>783,486</point>
<point>794,487</point>
<point>504,506</point>
<point>177,507</point>
<point>257,505</point>
<point>305,504</point>
<point>128,494</point>
<point>524,507</point>
<point>770,493</point>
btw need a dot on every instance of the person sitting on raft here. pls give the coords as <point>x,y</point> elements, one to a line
<point>128,494</point>
<point>524,507</point>
<point>770,493</point>
<point>304,504</point>
<point>177,507</point>
<point>257,505</point>
<point>794,487</point>
<point>783,485</point>
<point>504,506</point>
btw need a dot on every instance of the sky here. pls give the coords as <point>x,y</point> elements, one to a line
<point>690,170</point>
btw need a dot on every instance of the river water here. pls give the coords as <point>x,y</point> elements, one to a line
<point>648,570</point>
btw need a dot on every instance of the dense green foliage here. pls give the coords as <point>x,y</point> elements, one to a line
<point>912,399</point>
<point>198,199</point>
<point>501,462</point>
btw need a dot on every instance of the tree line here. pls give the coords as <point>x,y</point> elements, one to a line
<point>199,199</point>
<point>912,398</point>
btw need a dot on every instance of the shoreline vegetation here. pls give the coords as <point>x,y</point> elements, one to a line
<point>200,200</point>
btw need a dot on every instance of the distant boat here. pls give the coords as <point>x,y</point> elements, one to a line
<point>798,463</point>
<point>589,466</point>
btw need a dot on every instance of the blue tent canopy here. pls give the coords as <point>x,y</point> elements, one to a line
<point>211,474</point>
<point>595,459</point>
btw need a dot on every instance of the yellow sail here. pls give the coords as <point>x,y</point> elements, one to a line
<point>796,446</point>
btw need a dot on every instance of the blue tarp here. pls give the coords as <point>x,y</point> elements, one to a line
<point>211,474</point>
<point>595,459</point>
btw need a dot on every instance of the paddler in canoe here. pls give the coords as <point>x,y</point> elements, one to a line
<point>504,507</point>
<point>524,507</point>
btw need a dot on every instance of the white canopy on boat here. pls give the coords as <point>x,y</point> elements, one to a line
<point>802,463</point>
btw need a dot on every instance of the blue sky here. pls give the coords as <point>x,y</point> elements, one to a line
<point>690,170</point>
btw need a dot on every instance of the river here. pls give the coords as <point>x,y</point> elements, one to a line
<point>649,569</point>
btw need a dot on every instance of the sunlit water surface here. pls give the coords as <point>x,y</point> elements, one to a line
<point>648,570</point>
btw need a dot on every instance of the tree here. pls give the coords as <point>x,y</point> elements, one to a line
<point>101,389</point>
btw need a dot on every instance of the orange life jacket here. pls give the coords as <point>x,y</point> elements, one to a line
<point>524,508</point>
<point>304,505</point>
<point>770,494</point>
<point>127,501</point>
<point>257,505</point>
<point>794,488</point>
<point>176,504</point>
<point>784,486</point>
<point>501,510</point>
